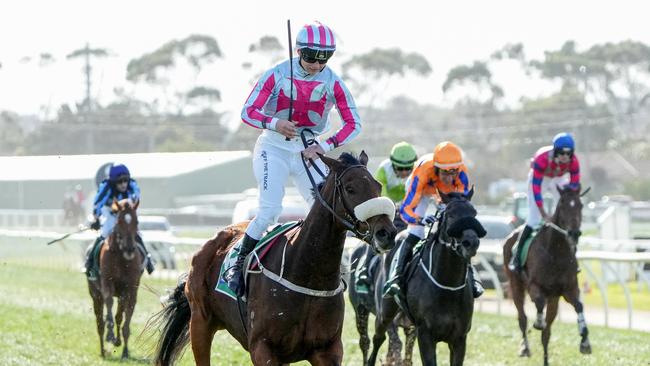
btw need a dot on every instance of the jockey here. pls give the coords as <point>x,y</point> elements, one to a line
<point>561,165</point>
<point>279,149</point>
<point>119,186</point>
<point>392,174</point>
<point>443,171</point>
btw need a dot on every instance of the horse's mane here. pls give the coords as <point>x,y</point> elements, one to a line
<point>348,160</point>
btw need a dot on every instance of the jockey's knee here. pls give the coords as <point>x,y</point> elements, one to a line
<point>417,230</point>
<point>265,217</point>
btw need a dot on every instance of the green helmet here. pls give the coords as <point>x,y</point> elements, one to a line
<point>403,155</point>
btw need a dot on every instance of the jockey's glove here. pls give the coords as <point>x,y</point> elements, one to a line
<point>428,220</point>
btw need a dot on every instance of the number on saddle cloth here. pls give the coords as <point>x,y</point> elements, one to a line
<point>262,247</point>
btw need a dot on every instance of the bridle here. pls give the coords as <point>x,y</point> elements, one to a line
<point>349,220</point>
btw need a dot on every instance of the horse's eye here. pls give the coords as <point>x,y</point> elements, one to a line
<point>349,190</point>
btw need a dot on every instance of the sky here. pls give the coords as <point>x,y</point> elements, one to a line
<point>447,33</point>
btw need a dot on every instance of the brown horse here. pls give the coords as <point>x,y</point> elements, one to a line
<point>297,315</point>
<point>120,265</point>
<point>550,272</point>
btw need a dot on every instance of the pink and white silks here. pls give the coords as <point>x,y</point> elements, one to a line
<point>275,159</point>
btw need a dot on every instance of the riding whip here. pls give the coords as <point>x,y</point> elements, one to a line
<point>66,235</point>
<point>291,71</point>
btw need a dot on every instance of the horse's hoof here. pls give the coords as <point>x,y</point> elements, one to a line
<point>539,325</point>
<point>524,352</point>
<point>117,342</point>
<point>585,348</point>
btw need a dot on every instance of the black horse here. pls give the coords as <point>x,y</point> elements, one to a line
<point>437,290</point>
<point>364,305</point>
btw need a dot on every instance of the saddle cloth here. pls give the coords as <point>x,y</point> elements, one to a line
<point>262,248</point>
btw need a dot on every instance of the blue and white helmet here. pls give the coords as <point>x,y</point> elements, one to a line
<point>316,36</point>
<point>563,140</point>
<point>117,171</point>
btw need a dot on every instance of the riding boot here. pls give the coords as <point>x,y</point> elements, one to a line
<point>515,264</point>
<point>477,286</point>
<point>235,274</point>
<point>149,262</point>
<point>90,258</point>
<point>362,278</point>
<point>392,287</point>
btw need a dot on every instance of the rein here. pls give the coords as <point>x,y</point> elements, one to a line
<point>350,221</point>
<point>452,244</point>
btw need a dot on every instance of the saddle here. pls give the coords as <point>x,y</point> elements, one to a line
<point>252,260</point>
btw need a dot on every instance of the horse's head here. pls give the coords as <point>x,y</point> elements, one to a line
<point>126,227</point>
<point>355,196</point>
<point>459,225</point>
<point>568,213</point>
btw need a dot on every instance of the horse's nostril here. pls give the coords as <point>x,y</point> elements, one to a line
<point>381,234</point>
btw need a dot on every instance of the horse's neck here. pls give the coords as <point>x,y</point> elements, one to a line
<point>316,253</point>
<point>447,266</point>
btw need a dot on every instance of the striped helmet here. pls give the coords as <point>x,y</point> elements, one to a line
<point>447,155</point>
<point>316,36</point>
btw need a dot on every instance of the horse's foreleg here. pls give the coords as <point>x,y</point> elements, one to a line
<point>427,347</point>
<point>551,312</point>
<point>518,297</point>
<point>261,355</point>
<point>331,356</point>
<point>201,335</point>
<point>394,346</point>
<point>129,307</point>
<point>540,302</point>
<point>574,299</point>
<point>98,307</point>
<point>382,322</point>
<point>457,351</point>
<point>119,315</point>
<point>362,328</point>
<point>108,300</point>
<point>409,332</point>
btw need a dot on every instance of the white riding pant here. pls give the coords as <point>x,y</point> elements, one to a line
<point>421,211</point>
<point>272,166</point>
<point>549,185</point>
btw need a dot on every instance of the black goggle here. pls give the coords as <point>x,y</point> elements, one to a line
<point>402,168</point>
<point>122,180</point>
<point>310,56</point>
<point>564,151</point>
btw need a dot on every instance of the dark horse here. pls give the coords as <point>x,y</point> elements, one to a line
<point>364,305</point>
<point>550,271</point>
<point>120,266</point>
<point>297,317</point>
<point>438,289</point>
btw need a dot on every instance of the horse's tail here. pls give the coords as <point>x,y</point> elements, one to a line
<point>175,321</point>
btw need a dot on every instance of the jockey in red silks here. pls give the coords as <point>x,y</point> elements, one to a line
<point>560,165</point>
<point>279,150</point>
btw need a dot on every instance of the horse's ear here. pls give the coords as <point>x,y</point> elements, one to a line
<point>470,193</point>
<point>115,206</point>
<point>443,197</point>
<point>135,206</point>
<point>560,189</point>
<point>333,164</point>
<point>363,158</point>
